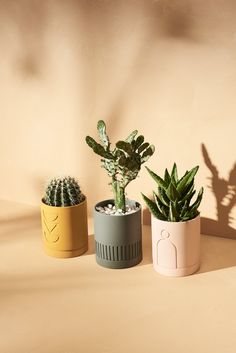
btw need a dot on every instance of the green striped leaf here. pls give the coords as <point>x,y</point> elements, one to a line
<point>172,192</point>
<point>153,208</point>
<point>186,180</point>
<point>162,195</point>
<point>167,177</point>
<point>174,173</point>
<point>173,214</point>
<point>157,179</point>
<point>196,204</point>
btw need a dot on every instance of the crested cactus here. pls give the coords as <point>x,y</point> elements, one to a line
<point>63,192</point>
<point>173,197</point>
<point>122,163</point>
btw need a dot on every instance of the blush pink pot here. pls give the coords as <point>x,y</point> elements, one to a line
<point>176,247</point>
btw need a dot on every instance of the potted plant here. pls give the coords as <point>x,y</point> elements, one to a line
<point>64,218</point>
<point>175,223</point>
<point>117,222</point>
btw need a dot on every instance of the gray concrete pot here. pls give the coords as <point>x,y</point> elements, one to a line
<point>118,238</point>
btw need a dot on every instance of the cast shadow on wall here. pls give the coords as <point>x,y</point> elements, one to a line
<point>224,191</point>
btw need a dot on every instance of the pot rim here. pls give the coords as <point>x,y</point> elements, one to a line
<point>117,215</point>
<point>181,222</point>
<point>65,207</point>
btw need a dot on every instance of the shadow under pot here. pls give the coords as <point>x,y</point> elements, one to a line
<point>65,230</point>
<point>176,246</point>
<point>118,238</point>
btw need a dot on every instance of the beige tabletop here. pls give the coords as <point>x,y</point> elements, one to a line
<point>50,305</point>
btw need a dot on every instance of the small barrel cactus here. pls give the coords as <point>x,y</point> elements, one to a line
<point>173,197</point>
<point>63,192</point>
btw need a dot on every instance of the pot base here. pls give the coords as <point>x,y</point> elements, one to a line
<point>66,253</point>
<point>118,264</point>
<point>178,272</point>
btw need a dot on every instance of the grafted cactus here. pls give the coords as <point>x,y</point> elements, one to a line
<point>62,192</point>
<point>122,163</point>
<point>174,195</point>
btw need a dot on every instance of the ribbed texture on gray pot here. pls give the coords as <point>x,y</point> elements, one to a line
<point>118,239</point>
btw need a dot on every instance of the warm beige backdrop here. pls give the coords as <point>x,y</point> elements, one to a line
<point>167,68</point>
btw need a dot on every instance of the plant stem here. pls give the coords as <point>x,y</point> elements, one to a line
<point>119,195</point>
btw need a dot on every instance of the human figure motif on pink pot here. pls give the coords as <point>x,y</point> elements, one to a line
<point>166,251</point>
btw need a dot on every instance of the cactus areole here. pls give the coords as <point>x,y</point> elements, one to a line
<point>122,163</point>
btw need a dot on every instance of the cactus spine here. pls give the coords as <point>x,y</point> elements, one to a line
<point>173,197</point>
<point>122,163</point>
<point>63,192</point>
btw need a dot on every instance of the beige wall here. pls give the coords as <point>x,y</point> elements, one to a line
<point>167,68</point>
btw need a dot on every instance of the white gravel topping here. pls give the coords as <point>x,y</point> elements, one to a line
<point>111,210</point>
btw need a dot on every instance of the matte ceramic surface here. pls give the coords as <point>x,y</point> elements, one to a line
<point>65,230</point>
<point>176,246</point>
<point>118,239</point>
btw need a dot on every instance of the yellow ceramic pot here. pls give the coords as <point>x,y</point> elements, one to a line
<point>65,230</point>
